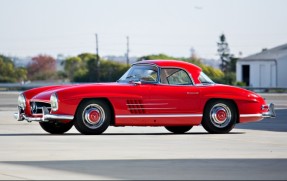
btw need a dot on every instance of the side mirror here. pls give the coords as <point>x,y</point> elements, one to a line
<point>137,82</point>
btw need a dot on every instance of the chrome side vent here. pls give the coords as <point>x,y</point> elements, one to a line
<point>135,106</point>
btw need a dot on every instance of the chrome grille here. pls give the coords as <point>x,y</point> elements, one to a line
<point>36,107</point>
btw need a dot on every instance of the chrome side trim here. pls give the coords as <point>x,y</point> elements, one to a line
<point>250,115</point>
<point>159,115</point>
<point>150,108</point>
<point>45,118</point>
<point>148,104</point>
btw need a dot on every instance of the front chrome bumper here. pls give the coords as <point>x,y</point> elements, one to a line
<point>20,116</point>
<point>270,113</point>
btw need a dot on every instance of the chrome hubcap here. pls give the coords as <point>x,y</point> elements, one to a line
<point>93,116</point>
<point>220,115</point>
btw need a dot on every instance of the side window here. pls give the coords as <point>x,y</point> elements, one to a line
<point>145,73</point>
<point>174,76</point>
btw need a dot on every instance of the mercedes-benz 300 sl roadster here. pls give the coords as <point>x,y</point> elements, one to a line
<point>169,93</point>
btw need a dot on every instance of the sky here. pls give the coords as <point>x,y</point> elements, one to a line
<point>173,27</point>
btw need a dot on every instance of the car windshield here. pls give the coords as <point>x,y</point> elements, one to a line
<point>145,73</point>
<point>204,79</point>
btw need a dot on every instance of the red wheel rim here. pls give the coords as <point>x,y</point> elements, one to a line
<point>221,115</point>
<point>94,116</point>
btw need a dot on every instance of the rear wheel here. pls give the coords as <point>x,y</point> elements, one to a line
<point>219,117</point>
<point>56,127</point>
<point>93,117</point>
<point>178,129</point>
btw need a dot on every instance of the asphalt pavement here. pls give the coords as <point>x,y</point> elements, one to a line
<point>252,151</point>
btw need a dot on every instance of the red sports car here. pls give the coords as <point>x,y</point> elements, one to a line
<point>169,93</point>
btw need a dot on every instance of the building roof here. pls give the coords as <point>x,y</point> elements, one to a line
<point>273,53</point>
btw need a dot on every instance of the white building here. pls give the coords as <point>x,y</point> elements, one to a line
<point>59,62</point>
<point>265,69</point>
<point>21,61</point>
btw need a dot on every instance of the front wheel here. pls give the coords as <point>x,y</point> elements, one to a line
<point>56,127</point>
<point>219,117</point>
<point>93,117</point>
<point>178,129</point>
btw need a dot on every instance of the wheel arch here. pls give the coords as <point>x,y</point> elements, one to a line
<point>106,100</point>
<point>223,99</point>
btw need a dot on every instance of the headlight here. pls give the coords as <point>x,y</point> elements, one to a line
<point>54,102</point>
<point>22,101</point>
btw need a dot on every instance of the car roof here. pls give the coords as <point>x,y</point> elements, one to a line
<point>194,70</point>
<point>171,63</point>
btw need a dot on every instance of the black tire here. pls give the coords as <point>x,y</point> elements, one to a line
<point>56,127</point>
<point>93,117</point>
<point>219,117</point>
<point>178,129</point>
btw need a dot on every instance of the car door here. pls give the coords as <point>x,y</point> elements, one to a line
<point>175,94</point>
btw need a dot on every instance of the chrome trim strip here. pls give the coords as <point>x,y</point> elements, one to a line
<point>158,115</point>
<point>250,115</point>
<point>149,108</point>
<point>148,104</point>
<point>39,100</point>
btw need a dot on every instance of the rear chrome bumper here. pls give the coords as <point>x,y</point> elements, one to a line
<point>20,116</point>
<point>270,113</point>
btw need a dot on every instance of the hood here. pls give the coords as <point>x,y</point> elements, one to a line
<point>44,95</point>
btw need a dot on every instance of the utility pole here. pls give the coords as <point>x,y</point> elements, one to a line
<point>97,60</point>
<point>128,51</point>
<point>192,53</point>
<point>97,45</point>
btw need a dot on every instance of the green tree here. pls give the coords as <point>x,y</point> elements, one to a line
<point>111,71</point>
<point>21,74</point>
<point>8,71</point>
<point>228,62</point>
<point>74,67</point>
<point>224,52</point>
<point>86,68</point>
<point>92,64</point>
<point>232,64</point>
